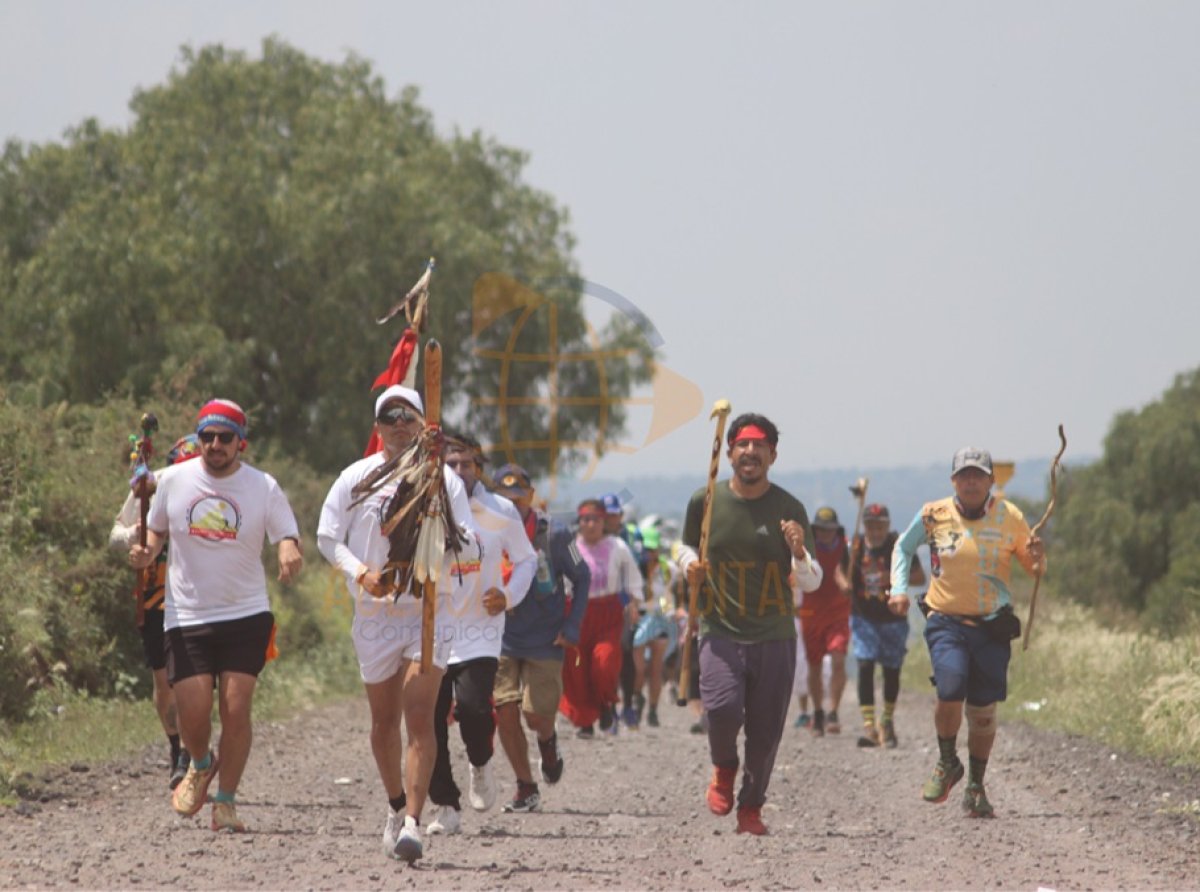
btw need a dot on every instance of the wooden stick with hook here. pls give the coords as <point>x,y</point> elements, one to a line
<point>1037,529</point>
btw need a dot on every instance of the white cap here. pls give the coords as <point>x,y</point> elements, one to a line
<point>399,391</point>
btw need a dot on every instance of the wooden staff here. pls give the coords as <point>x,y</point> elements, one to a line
<point>720,411</point>
<point>433,414</point>
<point>143,490</point>
<point>859,491</point>
<point>1037,528</point>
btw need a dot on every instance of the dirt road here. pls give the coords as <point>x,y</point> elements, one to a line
<point>629,813</point>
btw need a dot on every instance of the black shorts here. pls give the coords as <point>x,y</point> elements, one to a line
<point>153,647</point>
<point>237,645</point>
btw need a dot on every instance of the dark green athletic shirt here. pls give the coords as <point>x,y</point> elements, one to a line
<point>747,596</point>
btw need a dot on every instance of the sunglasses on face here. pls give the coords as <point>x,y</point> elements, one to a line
<point>226,437</point>
<point>393,414</point>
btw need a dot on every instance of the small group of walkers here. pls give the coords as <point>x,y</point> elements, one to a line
<point>534,619</point>
<point>766,564</point>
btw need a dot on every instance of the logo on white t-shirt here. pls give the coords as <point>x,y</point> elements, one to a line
<point>214,517</point>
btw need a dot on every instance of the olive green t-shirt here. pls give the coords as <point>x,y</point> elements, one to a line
<point>747,596</point>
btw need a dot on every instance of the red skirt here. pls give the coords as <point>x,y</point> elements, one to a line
<point>590,681</point>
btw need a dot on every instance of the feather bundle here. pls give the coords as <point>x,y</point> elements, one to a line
<point>418,519</point>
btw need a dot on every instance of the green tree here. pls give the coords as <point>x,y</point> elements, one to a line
<point>240,237</point>
<point>1128,526</point>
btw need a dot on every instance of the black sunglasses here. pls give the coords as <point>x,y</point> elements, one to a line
<point>225,437</point>
<point>392,414</point>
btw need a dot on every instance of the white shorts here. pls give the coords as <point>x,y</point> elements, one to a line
<point>387,634</point>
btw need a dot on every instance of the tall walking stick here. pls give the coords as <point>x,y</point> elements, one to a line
<point>720,411</point>
<point>143,489</point>
<point>433,414</point>
<point>1037,528</point>
<point>859,491</point>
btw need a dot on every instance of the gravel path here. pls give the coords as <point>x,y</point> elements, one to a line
<point>629,813</point>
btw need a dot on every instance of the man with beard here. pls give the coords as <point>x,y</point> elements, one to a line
<point>973,537</point>
<point>218,619</point>
<point>759,547</point>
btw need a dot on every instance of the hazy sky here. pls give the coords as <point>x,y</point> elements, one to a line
<point>896,228</point>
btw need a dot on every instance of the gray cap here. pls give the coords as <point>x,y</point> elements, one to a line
<point>971,457</point>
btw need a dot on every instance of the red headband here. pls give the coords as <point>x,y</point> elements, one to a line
<point>751,432</point>
<point>590,511</point>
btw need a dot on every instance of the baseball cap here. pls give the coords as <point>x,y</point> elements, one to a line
<point>875,511</point>
<point>825,518</point>
<point>612,504</point>
<point>399,392</point>
<point>512,479</point>
<point>651,538</point>
<point>971,457</point>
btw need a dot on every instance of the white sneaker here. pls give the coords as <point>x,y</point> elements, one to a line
<point>408,844</point>
<point>448,821</point>
<point>482,795</point>
<point>391,832</point>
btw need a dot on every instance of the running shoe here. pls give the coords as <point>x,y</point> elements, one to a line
<point>586,733</point>
<point>652,717</point>
<point>191,794</point>
<point>975,802</point>
<point>943,779</point>
<point>720,790</point>
<point>391,832</point>
<point>749,820</point>
<point>697,728</point>
<point>888,732</point>
<point>527,799</point>
<point>224,817</point>
<point>832,725</point>
<point>608,717</point>
<point>447,822</point>
<point>802,720</point>
<point>817,728</point>
<point>482,791</point>
<point>870,737</point>
<point>630,717</point>
<point>180,769</point>
<point>408,844</point>
<point>552,760</point>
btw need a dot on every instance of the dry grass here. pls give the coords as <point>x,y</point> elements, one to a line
<point>1135,692</point>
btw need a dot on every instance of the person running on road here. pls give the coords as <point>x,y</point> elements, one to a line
<point>825,621</point>
<point>387,627</point>
<point>758,548</point>
<point>878,633</point>
<point>654,632</point>
<point>973,537</point>
<point>124,533</point>
<point>590,682</point>
<point>536,632</point>
<point>475,628</point>
<point>218,620</point>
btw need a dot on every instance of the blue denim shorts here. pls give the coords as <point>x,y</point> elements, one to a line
<point>968,664</point>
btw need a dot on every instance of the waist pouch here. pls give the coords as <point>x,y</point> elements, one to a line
<point>1004,626</point>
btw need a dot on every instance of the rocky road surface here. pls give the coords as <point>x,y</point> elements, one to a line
<point>629,813</point>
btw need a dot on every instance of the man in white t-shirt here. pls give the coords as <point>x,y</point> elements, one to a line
<point>387,629</point>
<point>218,620</point>
<point>475,628</point>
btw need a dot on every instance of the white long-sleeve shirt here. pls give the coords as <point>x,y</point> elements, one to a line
<point>351,538</point>
<point>472,632</point>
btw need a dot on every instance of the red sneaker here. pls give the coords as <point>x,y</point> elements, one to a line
<point>720,791</point>
<point>750,821</point>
